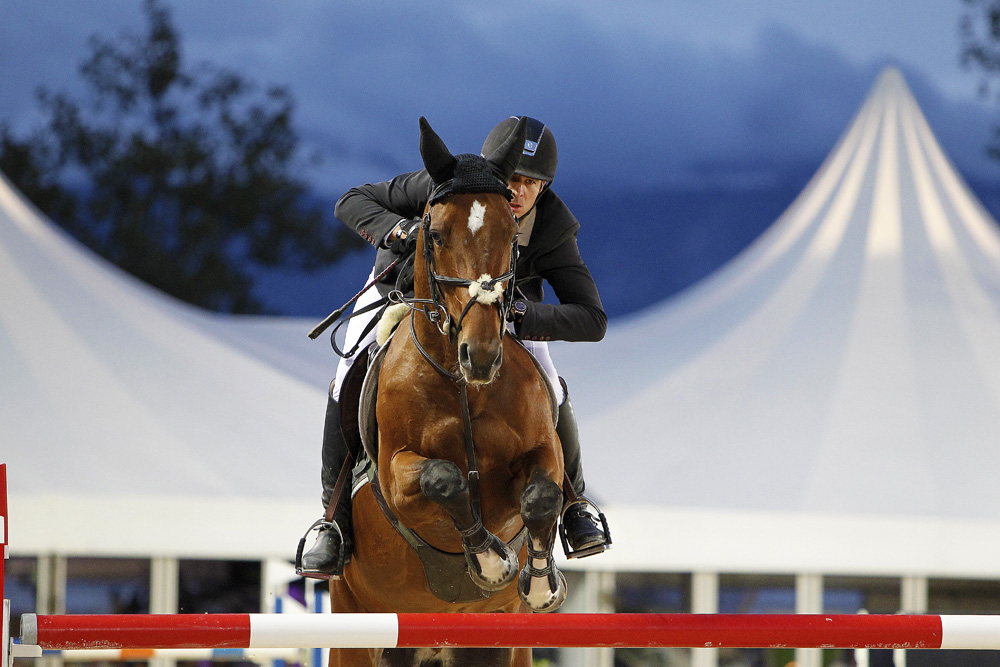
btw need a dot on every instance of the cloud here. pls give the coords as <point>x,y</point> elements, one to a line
<point>625,108</point>
<point>641,94</point>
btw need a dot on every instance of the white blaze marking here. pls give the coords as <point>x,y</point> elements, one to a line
<point>476,217</point>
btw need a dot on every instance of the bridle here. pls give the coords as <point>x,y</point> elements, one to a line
<point>482,290</point>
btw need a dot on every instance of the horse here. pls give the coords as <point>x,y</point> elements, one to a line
<point>468,460</point>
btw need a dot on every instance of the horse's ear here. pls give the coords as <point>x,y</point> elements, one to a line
<point>508,154</point>
<point>438,160</point>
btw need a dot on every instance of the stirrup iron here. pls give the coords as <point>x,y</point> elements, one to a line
<point>318,525</point>
<point>588,551</point>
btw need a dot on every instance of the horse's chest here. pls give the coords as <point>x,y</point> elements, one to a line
<point>446,439</point>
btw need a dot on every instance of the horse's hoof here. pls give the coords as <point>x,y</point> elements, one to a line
<point>541,598</point>
<point>493,569</point>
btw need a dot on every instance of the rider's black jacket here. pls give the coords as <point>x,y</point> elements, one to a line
<point>552,255</point>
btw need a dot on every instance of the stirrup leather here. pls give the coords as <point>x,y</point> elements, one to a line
<point>319,525</point>
<point>591,550</point>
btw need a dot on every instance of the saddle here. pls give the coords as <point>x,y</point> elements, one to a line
<point>446,573</point>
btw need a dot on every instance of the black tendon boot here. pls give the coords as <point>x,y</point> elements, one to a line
<point>583,534</point>
<point>332,549</point>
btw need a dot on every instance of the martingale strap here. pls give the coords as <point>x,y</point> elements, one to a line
<point>475,497</point>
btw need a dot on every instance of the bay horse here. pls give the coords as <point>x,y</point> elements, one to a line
<point>467,455</point>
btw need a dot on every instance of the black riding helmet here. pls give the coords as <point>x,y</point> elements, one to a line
<point>539,157</point>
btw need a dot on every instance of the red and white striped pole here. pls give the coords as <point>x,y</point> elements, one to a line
<point>501,630</point>
<point>4,553</point>
<point>5,641</point>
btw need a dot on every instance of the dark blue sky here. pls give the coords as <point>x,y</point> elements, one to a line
<point>645,98</point>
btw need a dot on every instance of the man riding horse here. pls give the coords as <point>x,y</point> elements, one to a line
<point>388,216</point>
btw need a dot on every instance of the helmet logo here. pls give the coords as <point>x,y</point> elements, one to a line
<point>530,147</point>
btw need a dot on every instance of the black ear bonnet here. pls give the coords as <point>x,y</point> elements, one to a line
<point>468,172</point>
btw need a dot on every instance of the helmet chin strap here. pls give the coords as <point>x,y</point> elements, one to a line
<point>519,218</point>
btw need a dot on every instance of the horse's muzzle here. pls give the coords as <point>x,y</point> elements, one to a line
<point>479,363</point>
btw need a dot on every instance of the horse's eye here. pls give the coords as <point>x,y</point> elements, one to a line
<point>436,236</point>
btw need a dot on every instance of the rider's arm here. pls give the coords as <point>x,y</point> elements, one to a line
<point>579,315</point>
<point>375,210</point>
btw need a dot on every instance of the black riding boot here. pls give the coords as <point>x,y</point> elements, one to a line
<point>332,549</point>
<point>584,534</point>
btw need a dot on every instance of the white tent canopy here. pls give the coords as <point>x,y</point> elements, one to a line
<point>839,378</point>
<point>826,402</point>
<point>128,426</point>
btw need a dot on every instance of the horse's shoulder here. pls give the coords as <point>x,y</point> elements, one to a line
<point>397,369</point>
<point>528,378</point>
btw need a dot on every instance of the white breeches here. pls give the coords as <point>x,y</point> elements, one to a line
<point>355,326</point>
<point>540,350</point>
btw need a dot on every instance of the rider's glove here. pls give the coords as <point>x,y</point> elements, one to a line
<point>406,237</point>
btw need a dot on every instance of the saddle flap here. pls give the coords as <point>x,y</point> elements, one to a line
<point>350,391</point>
<point>367,422</point>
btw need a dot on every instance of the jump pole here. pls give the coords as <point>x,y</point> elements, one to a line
<point>5,643</point>
<point>129,632</point>
<point>167,631</point>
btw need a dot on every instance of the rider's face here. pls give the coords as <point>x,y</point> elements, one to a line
<point>525,191</point>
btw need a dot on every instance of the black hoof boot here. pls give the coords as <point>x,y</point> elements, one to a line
<point>582,533</point>
<point>326,558</point>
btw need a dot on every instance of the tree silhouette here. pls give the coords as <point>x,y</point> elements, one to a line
<point>980,51</point>
<point>183,177</point>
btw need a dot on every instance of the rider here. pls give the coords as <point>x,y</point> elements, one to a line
<point>388,216</point>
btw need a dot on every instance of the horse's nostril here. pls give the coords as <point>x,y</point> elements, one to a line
<point>463,353</point>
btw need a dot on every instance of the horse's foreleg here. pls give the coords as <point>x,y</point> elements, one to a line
<point>492,564</point>
<point>541,585</point>
<point>343,601</point>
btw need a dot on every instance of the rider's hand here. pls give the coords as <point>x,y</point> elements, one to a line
<point>406,237</point>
